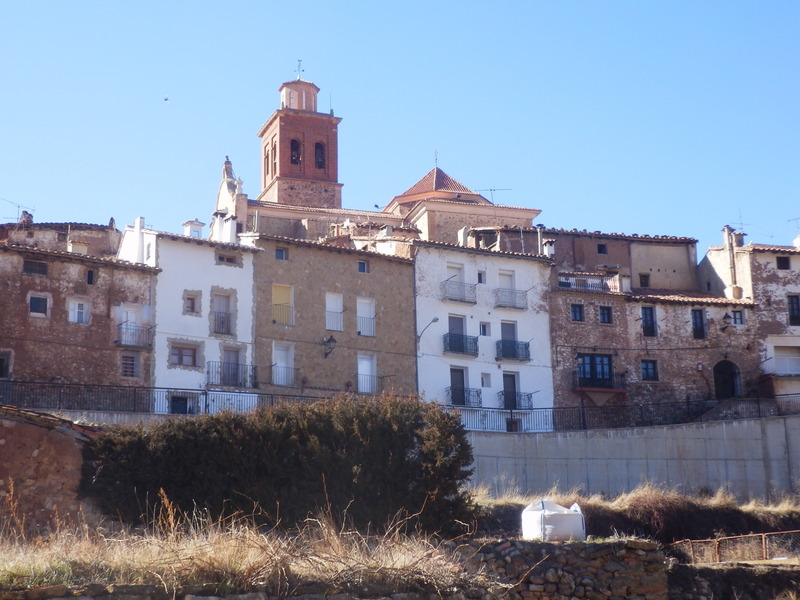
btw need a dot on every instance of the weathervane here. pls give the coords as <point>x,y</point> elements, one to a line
<point>299,69</point>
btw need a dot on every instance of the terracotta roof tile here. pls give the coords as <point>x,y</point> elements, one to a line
<point>437,181</point>
<point>683,297</point>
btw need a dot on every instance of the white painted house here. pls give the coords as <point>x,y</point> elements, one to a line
<point>483,335</point>
<point>203,315</point>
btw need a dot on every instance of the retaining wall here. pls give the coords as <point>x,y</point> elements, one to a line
<point>757,458</point>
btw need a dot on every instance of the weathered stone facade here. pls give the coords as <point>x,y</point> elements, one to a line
<point>63,318</point>
<point>323,289</point>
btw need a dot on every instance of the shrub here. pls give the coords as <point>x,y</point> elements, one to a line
<point>368,459</point>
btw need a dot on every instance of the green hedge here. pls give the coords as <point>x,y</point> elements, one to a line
<point>368,459</point>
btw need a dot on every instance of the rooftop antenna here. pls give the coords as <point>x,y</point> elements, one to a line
<point>436,158</point>
<point>299,68</point>
<point>493,190</point>
<point>19,207</point>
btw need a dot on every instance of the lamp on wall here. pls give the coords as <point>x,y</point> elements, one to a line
<point>726,321</point>
<point>433,320</point>
<point>329,345</point>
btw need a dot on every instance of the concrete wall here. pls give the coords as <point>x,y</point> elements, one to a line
<point>752,459</point>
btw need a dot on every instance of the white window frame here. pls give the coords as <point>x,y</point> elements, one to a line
<point>79,310</point>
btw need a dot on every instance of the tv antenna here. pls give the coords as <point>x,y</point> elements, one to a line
<point>19,208</point>
<point>493,190</point>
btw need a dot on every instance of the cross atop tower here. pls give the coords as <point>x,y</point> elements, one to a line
<point>299,69</point>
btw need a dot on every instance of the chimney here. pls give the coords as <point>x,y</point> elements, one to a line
<point>193,228</point>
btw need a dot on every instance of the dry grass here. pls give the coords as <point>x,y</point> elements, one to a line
<point>649,510</point>
<point>180,551</point>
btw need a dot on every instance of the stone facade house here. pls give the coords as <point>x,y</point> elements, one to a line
<point>64,317</point>
<point>767,275</point>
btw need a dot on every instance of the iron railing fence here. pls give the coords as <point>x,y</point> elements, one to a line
<point>231,374</point>
<point>461,344</point>
<point>512,349</point>
<point>781,545</point>
<point>467,402</point>
<point>129,334</point>
<point>515,400</point>
<point>146,400</point>
<point>510,298</point>
<point>223,322</point>
<point>458,291</point>
<point>615,381</point>
<point>366,326</point>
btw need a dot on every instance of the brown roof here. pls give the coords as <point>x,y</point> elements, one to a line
<point>437,181</point>
<point>682,297</point>
<point>114,261</point>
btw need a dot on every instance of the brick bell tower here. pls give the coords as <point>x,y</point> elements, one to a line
<point>299,151</point>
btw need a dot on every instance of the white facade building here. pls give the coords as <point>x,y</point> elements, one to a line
<point>483,335</point>
<point>203,315</point>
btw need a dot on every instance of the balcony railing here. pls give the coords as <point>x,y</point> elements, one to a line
<point>461,396</point>
<point>458,291</point>
<point>134,335</point>
<point>283,314</point>
<point>589,283</point>
<point>513,350</point>
<point>461,344</point>
<point>515,400</point>
<point>284,375</point>
<point>223,322</point>
<point>231,374</point>
<point>510,298</point>
<point>333,321</point>
<point>615,381</point>
<point>786,365</point>
<point>366,326</point>
<point>368,384</point>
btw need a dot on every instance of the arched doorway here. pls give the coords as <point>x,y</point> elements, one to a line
<point>726,380</point>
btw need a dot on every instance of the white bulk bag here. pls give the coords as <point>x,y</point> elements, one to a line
<point>551,522</point>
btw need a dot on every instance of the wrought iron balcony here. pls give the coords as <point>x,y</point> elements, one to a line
<point>223,322</point>
<point>366,326</point>
<point>615,381</point>
<point>460,292</point>
<point>461,344</point>
<point>510,298</point>
<point>284,375</point>
<point>513,350</point>
<point>589,282</point>
<point>368,384</point>
<point>231,374</point>
<point>333,321</point>
<point>515,400</point>
<point>134,335</point>
<point>461,396</point>
<point>283,314</point>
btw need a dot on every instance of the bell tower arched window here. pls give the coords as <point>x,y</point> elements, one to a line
<point>294,151</point>
<point>319,155</point>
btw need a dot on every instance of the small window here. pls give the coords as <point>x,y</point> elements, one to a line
<point>90,276</point>
<point>605,315</point>
<point>738,317</point>
<point>78,311</point>
<point>227,259</point>
<point>649,321</point>
<point>699,324</point>
<point>319,155</point>
<point>784,263</point>
<point>486,380</point>
<point>363,266</point>
<point>649,370</point>
<point>129,364</point>
<point>576,312</point>
<point>485,329</point>
<point>294,149</point>
<point>5,365</point>
<point>185,356</point>
<point>644,280</point>
<point>190,305</point>
<point>281,254</point>
<point>602,249</point>
<point>38,305</point>
<point>481,276</point>
<point>34,267</point>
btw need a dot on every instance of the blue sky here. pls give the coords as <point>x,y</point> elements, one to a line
<point>650,117</point>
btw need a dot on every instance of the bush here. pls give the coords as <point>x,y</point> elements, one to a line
<point>368,459</point>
